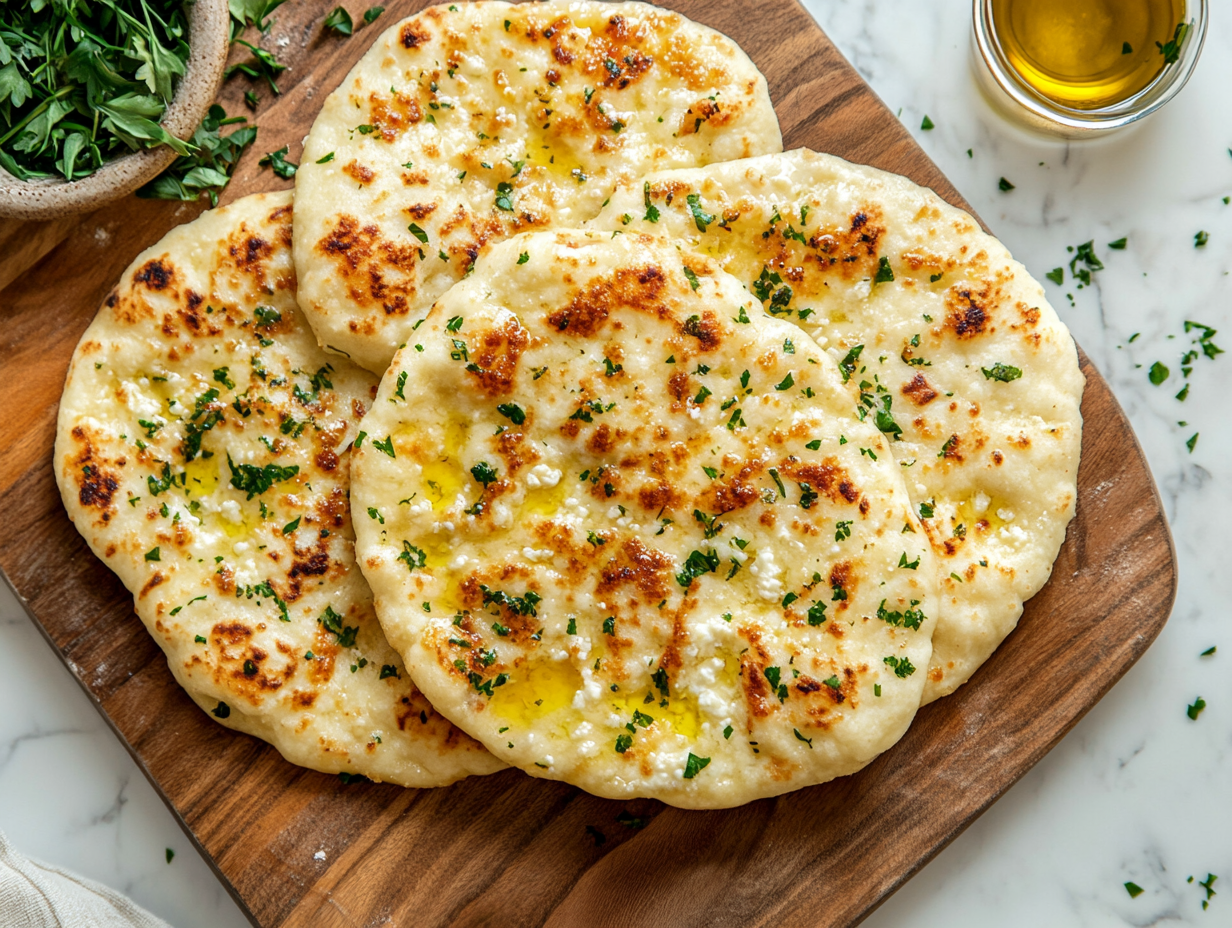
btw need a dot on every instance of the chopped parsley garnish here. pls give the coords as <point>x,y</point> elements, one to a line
<point>910,618</point>
<point>696,565</point>
<point>691,277</point>
<point>842,530</point>
<point>504,192</point>
<point>484,473</point>
<point>291,526</point>
<point>1002,372</point>
<point>652,211</point>
<point>659,678</point>
<point>909,565</point>
<point>401,384</point>
<point>253,480</point>
<point>332,622</point>
<point>800,737</point>
<point>700,217</point>
<point>817,613</point>
<point>222,710</point>
<point>419,233</point>
<point>386,446</point>
<point>153,554</point>
<point>521,605</point>
<point>413,556</point>
<point>694,765</point>
<point>623,743</point>
<point>850,361</point>
<point>885,273</point>
<point>389,670</point>
<point>773,675</point>
<point>901,666</point>
<point>513,412</point>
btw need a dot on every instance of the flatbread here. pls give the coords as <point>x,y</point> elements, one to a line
<point>470,122</point>
<point>982,376</point>
<point>203,452</point>
<point>627,531</point>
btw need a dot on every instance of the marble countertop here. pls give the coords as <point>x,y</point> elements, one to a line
<point>1137,791</point>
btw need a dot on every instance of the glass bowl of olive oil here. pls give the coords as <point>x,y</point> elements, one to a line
<point>1081,68</point>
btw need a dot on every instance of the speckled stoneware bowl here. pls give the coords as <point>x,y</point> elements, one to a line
<point>49,198</point>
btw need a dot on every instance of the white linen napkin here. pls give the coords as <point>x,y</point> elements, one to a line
<point>35,895</point>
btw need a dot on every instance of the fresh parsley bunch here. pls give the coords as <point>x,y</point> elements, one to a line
<point>83,81</point>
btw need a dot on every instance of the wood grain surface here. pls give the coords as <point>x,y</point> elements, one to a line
<point>507,850</point>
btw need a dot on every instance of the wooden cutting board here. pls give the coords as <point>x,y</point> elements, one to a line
<point>508,850</point>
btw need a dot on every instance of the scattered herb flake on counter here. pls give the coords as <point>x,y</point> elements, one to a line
<point>277,162</point>
<point>262,65</point>
<point>1209,885</point>
<point>1201,238</point>
<point>1119,244</point>
<point>338,21</point>
<point>1158,373</point>
<point>1056,275</point>
<point>927,123</point>
<point>1208,652</point>
<point>1134,890</point>
<point>1005,185</point>
<point>1195,710</point>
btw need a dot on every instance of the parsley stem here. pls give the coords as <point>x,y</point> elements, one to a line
<point>37,111</point>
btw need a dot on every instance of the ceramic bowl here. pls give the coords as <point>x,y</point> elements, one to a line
<point>49,198</point>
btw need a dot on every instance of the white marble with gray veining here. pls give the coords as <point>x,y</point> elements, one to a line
<point>1137,791</point>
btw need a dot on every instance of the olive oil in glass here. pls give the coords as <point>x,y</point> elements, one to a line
<point>1087,54</point>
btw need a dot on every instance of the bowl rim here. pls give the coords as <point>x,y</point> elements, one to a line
<point>49,197</point>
